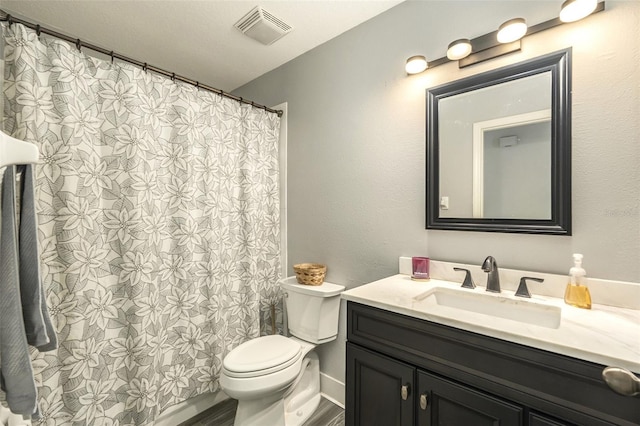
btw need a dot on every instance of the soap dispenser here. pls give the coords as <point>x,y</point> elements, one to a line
<point>577,293</point>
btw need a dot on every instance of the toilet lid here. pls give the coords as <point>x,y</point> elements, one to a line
<point>261,356</point>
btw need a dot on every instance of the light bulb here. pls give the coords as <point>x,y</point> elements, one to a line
<point>416,64</point>
<point>512,30</point>
<point>574,10</point>
<point>459,49</point>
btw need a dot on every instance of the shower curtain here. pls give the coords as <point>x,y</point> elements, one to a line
<point>158,209</point>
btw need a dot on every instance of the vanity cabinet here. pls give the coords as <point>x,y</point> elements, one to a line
<point>388,392</point>
<point>407,371</point>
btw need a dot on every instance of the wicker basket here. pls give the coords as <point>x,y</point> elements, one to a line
<point>310,273</point>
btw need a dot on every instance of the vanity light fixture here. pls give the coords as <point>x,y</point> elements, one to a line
<point>459,49</point>
<point>574,10</point>
<point>505,40</point>
<point>512,30</point>
<point>416,64</point>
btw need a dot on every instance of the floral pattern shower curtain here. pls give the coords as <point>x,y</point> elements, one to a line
<point>158,209</point>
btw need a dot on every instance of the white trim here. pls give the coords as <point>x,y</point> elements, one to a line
<point>479,128</point>
<point>332,389</point>
<point>283,188</point>
<point>477,175</point>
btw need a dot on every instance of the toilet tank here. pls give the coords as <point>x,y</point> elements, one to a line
<point>312,310</point>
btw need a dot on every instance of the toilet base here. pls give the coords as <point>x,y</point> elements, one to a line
<point>260,412</point>
<point>292,407</point>
<point>304,397</point>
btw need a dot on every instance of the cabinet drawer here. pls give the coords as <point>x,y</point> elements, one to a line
<point>566,388</point>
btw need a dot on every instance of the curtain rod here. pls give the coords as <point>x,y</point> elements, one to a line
<point>5,17</point>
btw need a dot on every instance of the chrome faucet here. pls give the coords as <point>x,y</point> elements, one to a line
<point>493,279</point>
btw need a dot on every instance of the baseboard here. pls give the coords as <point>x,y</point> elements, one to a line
<point>190,408</point>
<point>332,389</point>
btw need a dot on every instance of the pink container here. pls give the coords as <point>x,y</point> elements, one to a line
<point>420,268</point>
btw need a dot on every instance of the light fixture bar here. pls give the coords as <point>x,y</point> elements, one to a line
<point>487,47</point>
<point>439,61</point>
<point>494,51</point>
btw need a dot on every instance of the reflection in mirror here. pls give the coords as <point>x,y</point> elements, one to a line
<point>499,150</point>
<point>512,167</point>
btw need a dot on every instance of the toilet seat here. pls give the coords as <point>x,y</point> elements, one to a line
<point>262,356</point>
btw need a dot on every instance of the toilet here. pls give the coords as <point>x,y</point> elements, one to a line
<point>276,379</point>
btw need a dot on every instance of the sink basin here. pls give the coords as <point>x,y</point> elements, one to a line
<point>456,301</point>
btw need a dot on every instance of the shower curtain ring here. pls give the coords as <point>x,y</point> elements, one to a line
<point>38,30</point>
<point>10,19</point>
<point>111,55</point>
<point>144,67</point>
<point>79,45</point>
<point>173,76</point>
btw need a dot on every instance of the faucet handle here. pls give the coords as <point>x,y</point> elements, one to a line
<point>522,290</point>
<point>468,281</point>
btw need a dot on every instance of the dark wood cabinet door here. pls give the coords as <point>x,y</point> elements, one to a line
<point>380,390</point>
<point>451,404</point>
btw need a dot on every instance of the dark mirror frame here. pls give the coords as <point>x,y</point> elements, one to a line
<point>559,64</point>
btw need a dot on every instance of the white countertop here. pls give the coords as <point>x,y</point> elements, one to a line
<point>603,334</point>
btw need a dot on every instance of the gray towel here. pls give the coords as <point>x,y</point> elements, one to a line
<point>40,332</point>
<point>16,374</point>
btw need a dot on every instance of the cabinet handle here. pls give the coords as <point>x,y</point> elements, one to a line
<point>622,381</point>
<point>424,401</point>
<point>404,392</point>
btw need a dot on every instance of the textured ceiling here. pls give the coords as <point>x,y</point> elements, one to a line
<point>196,39</point>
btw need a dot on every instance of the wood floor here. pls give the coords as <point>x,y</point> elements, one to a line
<point>327,414</point>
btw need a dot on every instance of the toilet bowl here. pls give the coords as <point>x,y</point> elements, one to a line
<point>276,379</point>
<point>264,365</point>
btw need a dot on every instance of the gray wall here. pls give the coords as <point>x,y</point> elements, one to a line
<point>517,179</point>
<point>356,156</point>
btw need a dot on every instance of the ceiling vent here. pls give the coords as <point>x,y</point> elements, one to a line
<point>262,26</point>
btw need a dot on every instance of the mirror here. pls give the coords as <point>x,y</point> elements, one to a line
<point>499,149</point>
